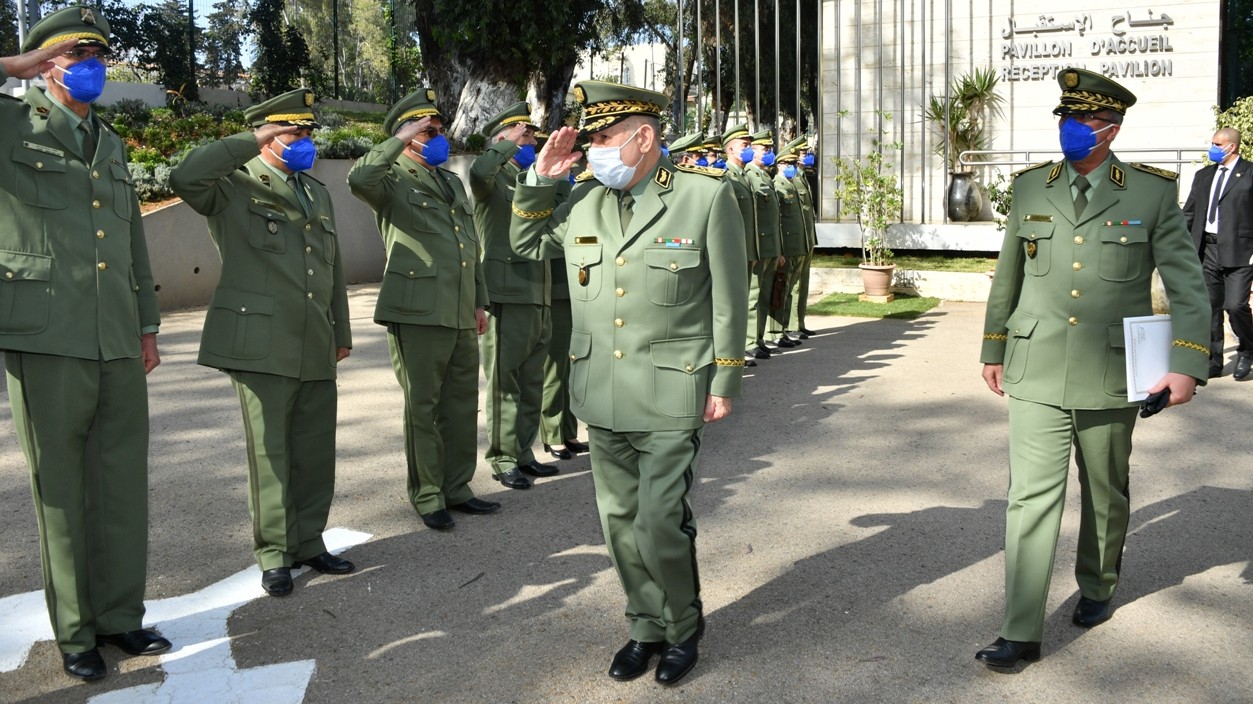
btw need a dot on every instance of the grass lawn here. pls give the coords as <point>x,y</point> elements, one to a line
<point>905,307</point>
<point>849,259</point>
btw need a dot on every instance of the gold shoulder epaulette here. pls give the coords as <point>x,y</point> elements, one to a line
<point>1168,175</point>
<point>702,170</point>
<point>1033,167</point>
<point>584,176</point>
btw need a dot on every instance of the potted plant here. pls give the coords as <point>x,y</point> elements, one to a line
<point>960,120</point>
<point>868,188</point>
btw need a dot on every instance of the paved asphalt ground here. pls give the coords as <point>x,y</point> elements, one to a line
<point>851,519</point>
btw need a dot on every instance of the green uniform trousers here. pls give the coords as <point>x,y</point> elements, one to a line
<point>83,426</point>
<point>289,426</point>
<point>751,333</point>
<point>438,370</point>
<point>1040,441</point>
<point>800,302</point>
<point>557,422</point>
<point>765,286</point>
<point>781,317</point>
<point>642,481</point>
<point>514,348</point>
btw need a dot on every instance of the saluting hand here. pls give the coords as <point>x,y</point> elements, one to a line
<point>558,154</point>
<point>35,61</point>
<point>516,133</point>
<point>266,133</point>
<point>412,129</point>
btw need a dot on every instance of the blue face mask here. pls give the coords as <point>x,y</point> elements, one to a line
<point>808,161</point>
<point>525,156</point>
<point>702,161</point>
<point>299,155</point>
<point>665,152</point>
<point>747,154</point>
<point>767,159</point>
<point>1078,140</point>
<point>789,171</point>
<point>84,80</point>
<point>435,152</point>
<point>720,164</point>
<point>1216,154</point>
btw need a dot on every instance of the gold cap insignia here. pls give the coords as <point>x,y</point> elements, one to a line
<point>430,95</point>
<point>88,16</point>
<point>1071,78</point>
<point>308,99</point>
<point>579,96</point>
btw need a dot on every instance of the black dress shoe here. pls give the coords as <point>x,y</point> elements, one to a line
<point>760,352</point>
<point>513,479</point>
<point>277,582</point>
<point>1244,364</point>
<point>1007,653</point>
<point>327,563</point>
<point>1089,612</point>
<point>576,446</point>
<point>750,362</point>
<point>632,660</point>
<point>438,520</point>
<point>676,661</point>
<point>84,666</point>
<point>806,333</point>
<point>141,641</point>
<point>561,454</point>
<point>535,469</point>
<point>476,506</point>
<point>787,342</point>
<point>1215,372</point>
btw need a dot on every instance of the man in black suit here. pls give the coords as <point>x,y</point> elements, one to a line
<point>1220,217</point>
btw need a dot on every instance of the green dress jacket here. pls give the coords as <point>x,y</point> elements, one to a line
<point>658,309</point>
<point>808,214</point>
<point>74,274</point>
<point>744,199</point>
<point>1064,284</point>
<point>510,278</point>
<point>766,210</point>
<point>281,305</point>
<point>791,219</point>
<point>432,276</point>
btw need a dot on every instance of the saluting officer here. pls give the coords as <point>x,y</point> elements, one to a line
<point>735,146</point>
<point>1082,240</point>
<point>431,301</point>
<point>519,325</point>
<point>769,242</point>
<point>793,234</point>
<point>277,324</point>
<point>78,333</point>
<point>655,264</point>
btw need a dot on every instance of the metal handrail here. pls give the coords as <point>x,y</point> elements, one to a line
<point>1050,154</point>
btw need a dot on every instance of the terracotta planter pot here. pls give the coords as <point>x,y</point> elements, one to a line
<point>877,280</point>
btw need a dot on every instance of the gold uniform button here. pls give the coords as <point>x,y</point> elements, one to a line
<point>411,273</point>
<point>1123,240</point>
<point>674,266</point>
<point>1077,266</point>
<point>311,272</point>
<point>308,227</point>
<point>95,204</point>
<point>620,292</point>
<point>1074,293</point>
<point>456,228</point>
<point>99,234</point>
<point>617,354</point>
<point>1073,321</point>
<point>8,274</point>
<point>1031,236</point>
<point>102,266</point>
<point>243,309</point>
<point>463,265</point>
<point>461,245</point>
<point>689,368</point>
<point>308,249</point>
<point>39,164</point>
<point>309,295</point>
<point>95,174</point>
<point>619,261</point>
<point>1078,239</point>
<point>617,322</point>
<point>573,357</point>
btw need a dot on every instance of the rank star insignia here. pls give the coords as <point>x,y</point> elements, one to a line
<point>1031,248</point>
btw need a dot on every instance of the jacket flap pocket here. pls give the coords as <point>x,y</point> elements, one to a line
<point>37,159</point>
<point>1021,324</point>
<point>1035,230</point>
<point>23,266</point>
<point>1124,234</point>
<point>268,211</point>
<point>580,344</point>
<point>672,259</point>
<point>411,267</point>
<point>685,355</point>
<point>327,223</point>
<point>243,303</point>
<point>580,255</point>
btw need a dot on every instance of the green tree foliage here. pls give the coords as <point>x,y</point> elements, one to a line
<point>222,42</point>
<point>1239,116</point>
<point>8,28</point>
<point>164,28</point>
<point>282,55</point>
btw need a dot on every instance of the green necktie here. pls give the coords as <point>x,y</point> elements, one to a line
<point>1081,198</point>
<point>625,204</point>
<point>294,184</point>
<point>89,141</point>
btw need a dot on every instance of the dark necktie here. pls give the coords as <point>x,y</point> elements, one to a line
<point>1218,192</point>
<point>89,141</point>
<point>294,184</point>
<point>625,205</point>
<point>1081,198</point>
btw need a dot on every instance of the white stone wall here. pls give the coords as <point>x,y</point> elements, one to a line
<point>893,55</point>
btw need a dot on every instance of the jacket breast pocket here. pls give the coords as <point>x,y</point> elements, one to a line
<point>673,275</point>
<point>410,285</point>
<point>1019,328</point>
<point>681,375</point>
<point>122,190</point>
<point>1036,240</point>
<point>329,239</point>
<point>425,211</point>
<point>1124,252</point>
<point>1116,362</point>
<point>584,273</point>
<point>41,178</point>
<point>580,364</point>
<point>266,223</point>
<point>239,325</point>
<point>25,292</point>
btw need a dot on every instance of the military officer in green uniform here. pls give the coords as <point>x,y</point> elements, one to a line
<point>78,332</point>
<point>736,145</point>
<point>800,298</point>
<point>519,325</point>
<point>686,150</point>
<point>794,237</point>
<point>769,240</point>
<point>1083,238</point>
<point>277,324</point>
<point>431,301</point>
<point>654,258</point>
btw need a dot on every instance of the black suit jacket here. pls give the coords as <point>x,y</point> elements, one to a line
<point>1235,212</point>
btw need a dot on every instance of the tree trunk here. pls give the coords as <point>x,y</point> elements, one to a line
<point>547,94</point>
<point>479,101</point>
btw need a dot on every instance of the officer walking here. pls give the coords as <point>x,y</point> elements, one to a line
<point>1082,240</point>
<point>79,335</point>
<point>655,261</point>
<point>431,300</point>
<point>277,324</point>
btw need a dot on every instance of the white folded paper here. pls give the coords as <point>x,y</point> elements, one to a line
<point>1148,339</point>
